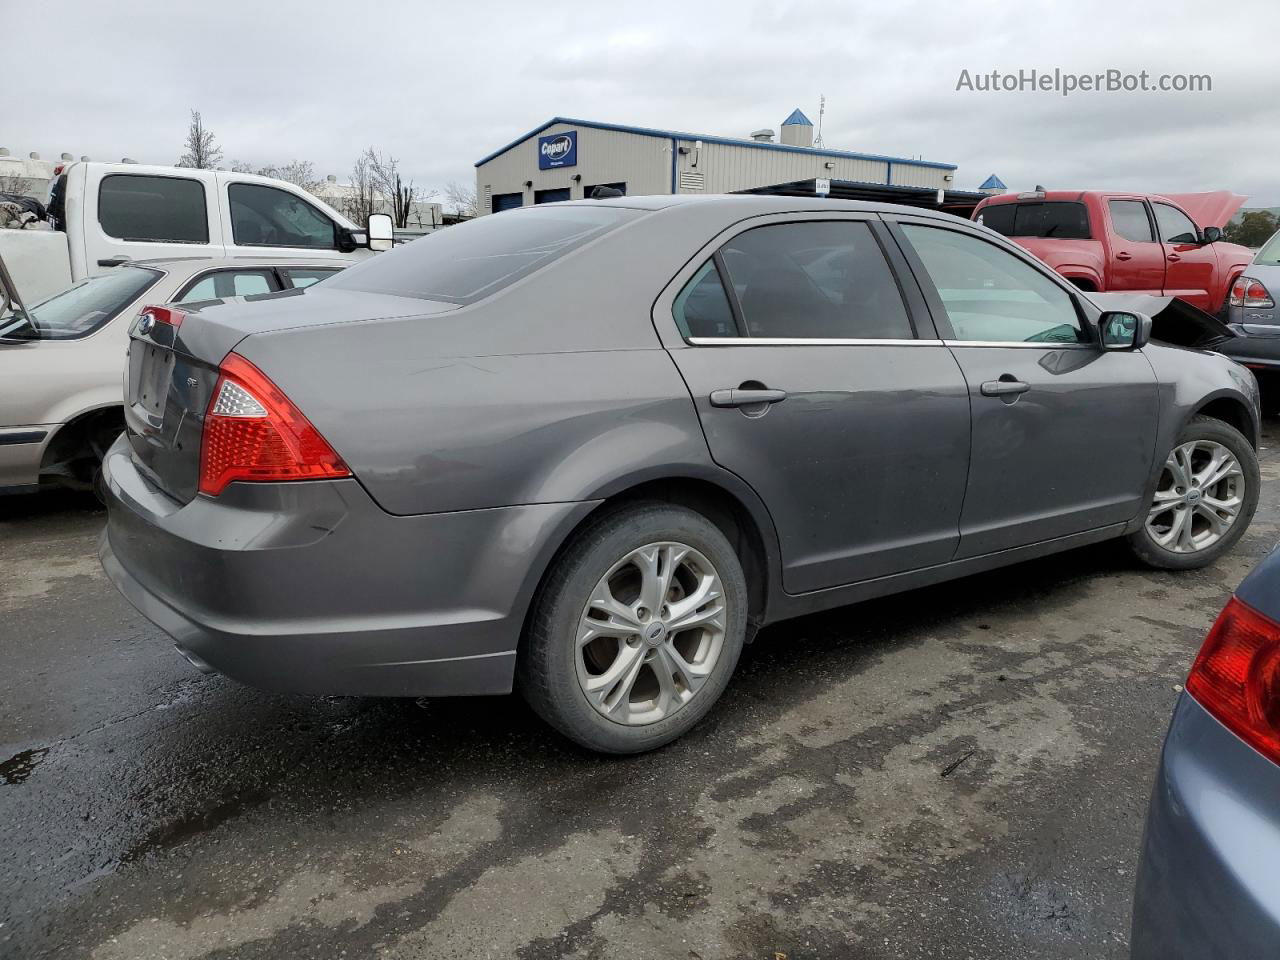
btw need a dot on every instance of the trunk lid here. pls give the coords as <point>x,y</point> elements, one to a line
<point>172,370</point>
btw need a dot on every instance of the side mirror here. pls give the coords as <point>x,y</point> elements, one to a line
<point>1212,234</point>
<point>381,231</point>
<point>1122,330</point>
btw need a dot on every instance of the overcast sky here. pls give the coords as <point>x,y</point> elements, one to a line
<point>440,85</point>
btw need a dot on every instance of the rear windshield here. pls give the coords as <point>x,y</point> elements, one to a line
<point>465,263</point>
<point>1270,252</point>
<point>1067,220</point>
<point>81,308</point>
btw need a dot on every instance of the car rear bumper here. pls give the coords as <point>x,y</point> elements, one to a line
<point>1209,877</point>
<point>311,588</point>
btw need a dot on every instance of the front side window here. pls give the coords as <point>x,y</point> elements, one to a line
<point>477,258</point>
<point>81,308</point>
<point>269,217</point>
<point>158,209</point>
<point>1060,219</point>
<point>1129,220</point>
<point>1174,225</point>
<point>990,294</point>
<point>816,280</point>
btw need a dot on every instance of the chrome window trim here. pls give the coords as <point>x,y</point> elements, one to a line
<point>1021,344</point>
<point>807,341</point>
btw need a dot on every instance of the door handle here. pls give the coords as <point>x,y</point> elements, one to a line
<point>740,397</point>
<point>1122,255</point>
<point>1004,388</point>
<point>1174,258</point>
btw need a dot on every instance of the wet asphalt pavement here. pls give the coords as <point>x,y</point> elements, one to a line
<point>960,771</point>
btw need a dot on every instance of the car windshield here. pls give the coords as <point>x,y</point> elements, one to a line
<point>81,308</point>
<point>1269,255</point>
<point>473,260</point>
<point>1059,219</point>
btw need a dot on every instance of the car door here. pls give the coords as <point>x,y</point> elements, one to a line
<point>1137,256</point>
<point>1189,264</point>
<point>259,217</point>
<point>827,391</point>
<point>139,215</point>
<point>1063,431</point>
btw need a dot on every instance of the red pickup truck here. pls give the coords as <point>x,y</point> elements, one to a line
<point>1142,243</point>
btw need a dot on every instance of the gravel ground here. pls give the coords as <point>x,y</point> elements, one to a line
<point>960,771</point>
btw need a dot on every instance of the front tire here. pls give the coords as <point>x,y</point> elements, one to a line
<point>1204,500</point>
<point>637,629</point>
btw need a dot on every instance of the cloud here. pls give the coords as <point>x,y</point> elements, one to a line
<point>441,85</point>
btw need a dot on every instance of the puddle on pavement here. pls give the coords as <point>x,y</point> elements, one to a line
<point>177,832</point>
<point>18,767</point>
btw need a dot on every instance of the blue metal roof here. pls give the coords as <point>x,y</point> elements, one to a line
<point>797,118</point>
<point>993,183</point>
<point>705,138</point>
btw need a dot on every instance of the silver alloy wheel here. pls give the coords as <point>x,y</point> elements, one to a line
<point>651,633</point>
<point>1198,498</point>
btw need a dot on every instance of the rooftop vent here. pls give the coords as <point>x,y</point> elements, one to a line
<point>763,136</point>
<point>67,156</point>
<point>33,155</point>
<point>4,151</point>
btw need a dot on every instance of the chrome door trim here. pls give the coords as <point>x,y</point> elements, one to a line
<point>1021,344</point>
<point>806,341</point>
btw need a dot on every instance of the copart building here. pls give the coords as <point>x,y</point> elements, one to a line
<point>566,159</point>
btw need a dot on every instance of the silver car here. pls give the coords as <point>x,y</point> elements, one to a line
<point>590,448</point>
<point>1208,885</point>
<point>61,369</point>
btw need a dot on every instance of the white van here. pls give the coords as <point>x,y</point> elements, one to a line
<point>101,215</point>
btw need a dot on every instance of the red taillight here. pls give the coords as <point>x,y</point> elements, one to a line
<point>166,315</point>
<point>1247,292</point>
<point>253,432</point>
<point>1236,677</point>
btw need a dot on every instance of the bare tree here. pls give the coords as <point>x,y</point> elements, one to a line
<point>398,195</point>
<point>203,152</point>
<point>300,173</point>
<point>363,198</point>
<point>461,199</point>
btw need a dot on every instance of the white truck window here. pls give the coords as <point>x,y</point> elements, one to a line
<point>138,207</point>
<point>267,217</point>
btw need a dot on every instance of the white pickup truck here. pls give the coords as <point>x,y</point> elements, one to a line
<point>101,215</point>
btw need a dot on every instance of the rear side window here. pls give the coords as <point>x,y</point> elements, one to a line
<point>823,280</point>
<point>1129,220</point>
<point>306,276</point>
<point>702,308</point>
<point>1175,226</point>
<point>229,283</point>
<point>268,217</point>
<point>475,259</point>
<point>1060,219</point>
<point>161,209</point>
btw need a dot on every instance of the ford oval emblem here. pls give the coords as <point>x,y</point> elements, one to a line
<point>557,148</point>
<point>146,323</point>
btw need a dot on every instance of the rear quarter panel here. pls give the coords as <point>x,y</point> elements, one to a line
<point>554,389</point>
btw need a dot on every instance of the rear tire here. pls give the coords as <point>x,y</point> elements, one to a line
<point>636,630</point>
<point>1204,500</point>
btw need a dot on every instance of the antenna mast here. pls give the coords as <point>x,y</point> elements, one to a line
<point>822,109</point>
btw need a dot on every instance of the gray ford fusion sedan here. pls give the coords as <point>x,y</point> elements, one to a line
<point>588,449</point>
